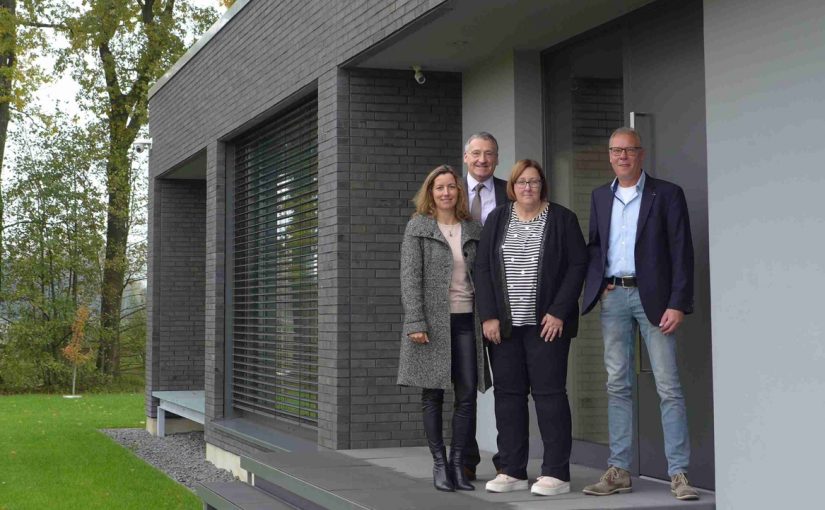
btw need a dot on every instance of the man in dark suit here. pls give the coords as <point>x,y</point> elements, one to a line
<point>641,268</point>
<point>485,193</point>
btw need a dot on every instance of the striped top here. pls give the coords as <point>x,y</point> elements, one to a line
<point>521,249</point>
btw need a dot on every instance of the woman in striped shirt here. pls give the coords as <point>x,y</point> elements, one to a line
<point>530,267</point>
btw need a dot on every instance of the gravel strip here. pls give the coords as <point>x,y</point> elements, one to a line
<point>181,456</point>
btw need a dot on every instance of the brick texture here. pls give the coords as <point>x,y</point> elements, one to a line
<point>267,52</point>
<point>377,136</point>
<point>175,356</point>
<point>398,132</point>
<point>597,111</point>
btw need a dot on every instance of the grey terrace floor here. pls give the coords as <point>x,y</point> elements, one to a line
<point>401,478</point>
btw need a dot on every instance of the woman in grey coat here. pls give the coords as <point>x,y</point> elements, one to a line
<point>441,340</point>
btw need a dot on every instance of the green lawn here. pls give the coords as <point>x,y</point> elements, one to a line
<point>53,457</point>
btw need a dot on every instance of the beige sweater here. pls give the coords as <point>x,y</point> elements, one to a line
<point>461,292</point>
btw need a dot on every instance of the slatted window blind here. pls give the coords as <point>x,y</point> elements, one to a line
<point>275,279</point>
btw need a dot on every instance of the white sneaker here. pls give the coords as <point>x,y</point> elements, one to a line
<point>505,483</point>
<point>549,486</point>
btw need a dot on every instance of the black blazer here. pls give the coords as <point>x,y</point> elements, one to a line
<point>663,253</point>
<point>500,186</point>
<point>562,265</point>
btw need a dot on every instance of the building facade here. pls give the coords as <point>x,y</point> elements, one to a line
<point>288,143</point>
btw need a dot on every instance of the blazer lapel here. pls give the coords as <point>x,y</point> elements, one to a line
<point>648,194</point>
<point>605,205</point>
<point>500,188</point>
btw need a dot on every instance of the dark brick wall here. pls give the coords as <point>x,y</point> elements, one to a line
<point>215,276</point>
<point>392,133</point>
<point>175,355</point>
<point>399,131</point>
<point>268,53</point>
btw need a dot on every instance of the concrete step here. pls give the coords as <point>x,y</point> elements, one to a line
<point>332,480</point>
<point>237,496</point>
<point>299,478</point>
<point>401,479</point>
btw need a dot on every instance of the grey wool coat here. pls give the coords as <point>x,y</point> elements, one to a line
<point>426,269</point>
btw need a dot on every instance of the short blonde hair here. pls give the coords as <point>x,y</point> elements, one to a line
<point>518,169</point>
<point>624,130</point>
<point>423,199</point>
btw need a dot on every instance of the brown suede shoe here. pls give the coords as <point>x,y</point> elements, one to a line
<point>680,487</point>
<point>469,473</point>
<point>614,481</point>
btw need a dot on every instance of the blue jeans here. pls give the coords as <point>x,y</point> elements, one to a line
<point>621,312</point>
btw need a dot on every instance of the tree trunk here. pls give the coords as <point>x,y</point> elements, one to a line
<point>7,62</point>
<point>114,265</point>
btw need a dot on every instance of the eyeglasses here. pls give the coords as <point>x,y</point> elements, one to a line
<point>487,154</point>
<point>631,151</point>
<point>533,183</point>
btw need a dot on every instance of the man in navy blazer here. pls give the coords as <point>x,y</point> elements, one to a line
<point>485,192</point>
<point>641,269</point>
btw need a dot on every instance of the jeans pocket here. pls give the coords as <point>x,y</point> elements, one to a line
<point>603,298</point>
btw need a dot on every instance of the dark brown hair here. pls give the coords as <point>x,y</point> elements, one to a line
<point>518,169</point>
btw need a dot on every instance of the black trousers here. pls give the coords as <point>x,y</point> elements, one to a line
<point>464,373</point>
<point>472,455</point>
<point>526,364</point>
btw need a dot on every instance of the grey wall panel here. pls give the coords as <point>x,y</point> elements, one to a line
<point>765,119</point>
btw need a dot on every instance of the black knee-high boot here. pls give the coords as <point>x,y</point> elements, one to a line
<point>431,403</point>
<point>463,360</point>
<point>463,416</point>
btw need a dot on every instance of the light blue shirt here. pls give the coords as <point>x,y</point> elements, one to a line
<point>621,260</point>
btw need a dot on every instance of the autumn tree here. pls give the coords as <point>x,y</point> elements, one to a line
<point>118,49</point>
<point>76,351</point>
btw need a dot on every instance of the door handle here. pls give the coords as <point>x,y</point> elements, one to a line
<point>633,116</point>
<point>649,135</point>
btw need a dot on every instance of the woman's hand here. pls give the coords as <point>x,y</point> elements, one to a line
<point>419,337</point>
<point>551,327</point>
<point>492,330</point>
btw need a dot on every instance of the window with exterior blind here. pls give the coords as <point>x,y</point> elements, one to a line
<point>275,273</point>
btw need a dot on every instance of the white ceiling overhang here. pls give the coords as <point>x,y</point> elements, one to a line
<point>461,34</point>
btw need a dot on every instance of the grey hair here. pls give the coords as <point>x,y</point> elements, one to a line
<point>481,135</point>
<point>624,130</point>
